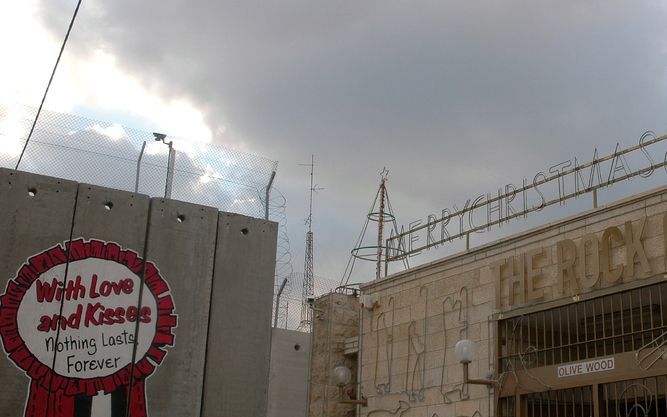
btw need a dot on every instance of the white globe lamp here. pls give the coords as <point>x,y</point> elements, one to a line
<point>464,350</point>
<point>342,375</point>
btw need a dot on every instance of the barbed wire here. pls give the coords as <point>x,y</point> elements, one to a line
<point>277,206</point>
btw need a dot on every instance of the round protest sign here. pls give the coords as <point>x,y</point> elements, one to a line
<point>83,318</point>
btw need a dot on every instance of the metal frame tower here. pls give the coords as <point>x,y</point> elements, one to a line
<point>308,290</point>
<point>382,213</point>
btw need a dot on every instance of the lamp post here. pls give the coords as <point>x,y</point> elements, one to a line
<point>465,351</point>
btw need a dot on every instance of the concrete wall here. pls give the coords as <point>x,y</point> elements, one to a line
<point>288,379</point>
<point>237,369</point>
<point>408,362</point>
<point>201,282</point>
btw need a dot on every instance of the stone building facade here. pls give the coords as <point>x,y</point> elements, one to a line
<point>568,319</point>
<point>335,322</point>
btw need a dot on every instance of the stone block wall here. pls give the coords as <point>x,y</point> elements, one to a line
<point>408,364</point>
<point>335,319</point>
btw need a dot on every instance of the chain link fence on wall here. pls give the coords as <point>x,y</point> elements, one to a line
<point>289,309</point>
<point>108,154</point>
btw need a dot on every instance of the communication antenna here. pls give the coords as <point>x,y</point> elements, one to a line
<point>307,292</point>
<point>382,213</point>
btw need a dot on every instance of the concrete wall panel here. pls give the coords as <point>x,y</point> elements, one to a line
<point>181,243</point>
<point>239,333</point>
<point>199,307</point>
<point>288,379</point>
<point>28,226</point>
<point>112,217</point>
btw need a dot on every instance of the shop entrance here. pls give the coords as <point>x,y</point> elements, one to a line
<point>645,397</point>
<point>605,356</point>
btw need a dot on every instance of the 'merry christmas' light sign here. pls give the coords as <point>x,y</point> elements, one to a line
<point>563,181</point>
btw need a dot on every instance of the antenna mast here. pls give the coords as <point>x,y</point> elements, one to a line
<point>308,275</point>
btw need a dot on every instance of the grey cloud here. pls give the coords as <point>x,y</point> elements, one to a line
<point>456,98</point>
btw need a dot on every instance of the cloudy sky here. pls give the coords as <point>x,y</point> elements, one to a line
<point>455,98</point>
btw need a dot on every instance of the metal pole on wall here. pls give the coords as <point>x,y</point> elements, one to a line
<point>170,171</point>
<point>141,155</point>
<point>359,351</point>
<point>160,137</point>
<point>280,292</point>
<point>267,195</point>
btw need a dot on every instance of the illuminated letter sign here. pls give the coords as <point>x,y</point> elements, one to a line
<point>566,181</point>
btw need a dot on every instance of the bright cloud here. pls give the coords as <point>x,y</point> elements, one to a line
<point>24,66</point>
<point>95,80</point>
<point>12,128</point>
<point>113,132</point>
<point>209,175</point>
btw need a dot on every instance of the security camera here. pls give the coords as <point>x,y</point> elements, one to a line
<point>310,301</point>
<point>159,136</point>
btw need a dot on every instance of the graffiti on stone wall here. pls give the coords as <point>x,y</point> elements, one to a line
<point>457,304</point>
<point>454,316</point>
<point>415,375</point>
<point>477,413</point>
<point>402,408</point>
<point>82,324</point>
<point>384,330</point>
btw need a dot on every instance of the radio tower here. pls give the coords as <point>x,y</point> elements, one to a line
<point>308,277</point>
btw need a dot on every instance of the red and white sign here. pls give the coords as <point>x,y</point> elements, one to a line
<point>84,318</point>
